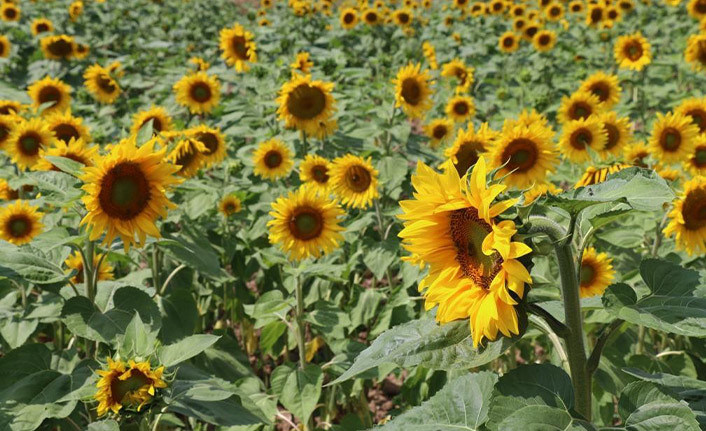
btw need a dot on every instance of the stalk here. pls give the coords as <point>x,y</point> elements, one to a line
<point>301,329</point>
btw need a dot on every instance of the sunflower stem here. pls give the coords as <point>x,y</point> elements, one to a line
<point>568,270</point>
<point>88,270</point>
<point>301,329</point>
<point>155,266</point>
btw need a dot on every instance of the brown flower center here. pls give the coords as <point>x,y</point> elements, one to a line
<point>581,138</point>
<point>358,178</point>
<point>613,135</point>
<point>439,132</point>
<point>65,131</point>
<point>201,92</point>
<point>601,90</point>
<point>41,28</point>
<point>60,48</point>
<point>18,226</point>
<point>468,232</point>
<point>544,40</point>
<point>106,84</point>
<point>670,140</point>
<point>694,209</point>
<point>306,102</point>
<point>124,191</point>
<point>633,50</point>
<point>580,110</point>
<point>306,223</point>
<point>210,141</point>
<point>49,94</point>
<point>348,18</point>
<point>320,174</point>
<point>120,388</point>
<point>273,159</point>
<point>699,159</point>
<point>588,273</point>
<point>30,143</point>
<point>411,91</point>
<point>698,116</point>
<point>240,47</point>
<point>521,155</point>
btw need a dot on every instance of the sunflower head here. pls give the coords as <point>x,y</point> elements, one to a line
<point>413,90</point>
<point>75,149</point>
<point>199,92</point>
<point>10,12</point>
<point>579,105</point>
<point>348,18</point>
<point>544,40</point>
<point>696,163</point>
<point>305,224</point>
<point>595,14</point>
<point>101,85</point>
<point>605,87</point>
<point>272,159</point>
<point>460,108</point>
<point>10,107</point>
<point>20,222</point>
<point>26,141</point>
<point>41,25</point>
<point>403,17</point>
<point>213,140</point>
<point>5,46</point>
<point>633,52</point>
<point>687,219</point>
<point>7,123</point>
<point>160,118</point>
<point>129,385</point>
<point>50,93</point>
<point>230,205</point>
<point>371,16</point>
<point>126,192</point>
<point>188,156</point>
<point>354,180</point>
<point>697,9</point>
<point>67,127</point>
<point>673,137</point>
<point>596,273</point>
<point>314,172</point>
<point>59,47</point>
<point>696,110</point>
<point>580,135</point>
<point>539,190</point>
<point>469,145</point>
<point>695,52</point>
<point>618,132</point>
<point>438,130</point>
<point>508,42</point>
<point>302,63</point>
<point>473,268</point>
<point>524,153</point>
<point>305,104</point>
<point>238,46</point>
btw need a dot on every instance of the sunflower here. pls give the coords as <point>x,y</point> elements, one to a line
<point>20,223</point>
<point>75,262</point>
<point>314,172</point>
<point>371,16</point>
<point>637,154</point>
<point>75,10</point>
<point>413,90</point>
<point>633,52</point>
<point>7,123</point>
<point>696,110</point>
<point>302,63</point>
<point>238,47</point>
<point>430,54</point>
<point>131,385</point>
<point>595,175</point>
<point>65,127</point>
<point>460,4</point>
<point>198,91</point>
<point>460,108</point>
<point>200,64</point>
<point>508,42</point>
<point>613,15</point>
<point>696,163</point>
<point>188,155</point>
<point>478,9</point>
<point>469,145</point>
<point>518,11</point>
<point>305,224</point>
<point>81,51</point>
<point>596,273</point>
<point>697,9</point>
<point>438,130</point>
<point>59,47</point>
<point>214,142</point>
<point>230,205</point>
<point>687,219</point>
<point>554,11</point>
<point>544,40</point>
<point>605,87</point>
<point>348,18</point>
<point>452,228</point>
<point>6,193</point>
<point>41,25</point>
<point>531,30</point>
<point>402,17</point>
<point>580,135</point>
<point>52,91</point>
<point>74,149</point>
<point>576,6</point>
<point>126,192</point>
<point>595,15</point>
<point>539,190</point>
<point>26,141</point>
<point>456,68</point>
<point>160,118</point>
<point>5,46</point>
<point>518,24</point>
<point>580,104</point>
<point>354,180</point>
<point>272,159</point>
<point>673,137</point>
<point>695,52</point>
<point>10,12</point>
<point>626,5</point>
<point>304,104</point>
<point>10,107</point>
<point>525,154</point>
<point>618,131</point>
<point>496,7</point>
<point>101,85</point>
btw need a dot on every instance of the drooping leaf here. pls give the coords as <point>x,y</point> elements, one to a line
<point>174,354</point>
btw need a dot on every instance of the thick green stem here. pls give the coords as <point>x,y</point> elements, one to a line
<point>155,267</point>
<point>575,348</point>
<point>88,270</point>
<point>301,329</point>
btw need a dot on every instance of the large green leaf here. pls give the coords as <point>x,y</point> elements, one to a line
<point>425,342</point>
<point>543,418</point>
<point>299,389</point>
<point>84,319</point>
<point>174,354</point>
<point>31,267</point>
<point>461,405</point>
<point>671,305</point>
<point>644,406</point>
<point>531,385</point>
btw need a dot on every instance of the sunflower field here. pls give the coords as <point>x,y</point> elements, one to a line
<point>400,215</point>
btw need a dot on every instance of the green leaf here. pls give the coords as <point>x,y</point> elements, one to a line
<point>379,257</point>
<point>187,348</point>
<point>670,306</point>
<point>301,391</point>
<point>637,394</point>
<point>641,188</point>
<point>30,267</point>
<point>106,425</point>
<point>425,342</point>
<point>138,339</point>
<point>530,385</point>
<point>211,403</point>
<point>17,329</point>
<point>22,362</point>
<point>460,405</point>
<point>543,418</point>
<point>270,334</point>
<point>70,166</point>
<point>84,319</point>
<point>660,416</point>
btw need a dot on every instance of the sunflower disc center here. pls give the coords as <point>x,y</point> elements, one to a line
<point>411,91</point>
<point>306,102</point>
<point>210,141</point>
<point>121,388</point>
<point>694,209</point>
<point>273,159</point>
<point>587,273</point>
<point>439,132</point>
<point>201,92</point>
<point>64,132</point>
<point>468,232</point>
<point>580,110</point>
<point>633,51</point>
<point>671,139</point>
<point>461,108</point>
<point>700,157</point>
<point>698,116</point>
<point>125,191</point>
<point>521,155</point>
<point>306,223</point>
<point>30,144</point>
<point>358,179</point>
<point>581,139</point>
<point>320,174</point>
<point>18,226</point>
<point>49,94</point>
